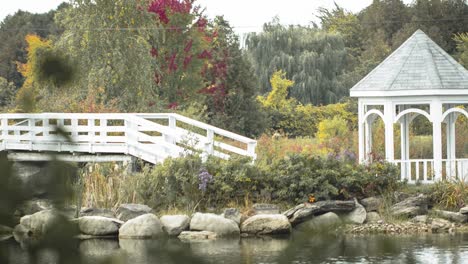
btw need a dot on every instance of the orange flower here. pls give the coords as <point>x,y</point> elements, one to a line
<point>311,198</point>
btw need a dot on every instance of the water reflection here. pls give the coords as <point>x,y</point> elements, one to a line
<point>321,248</point>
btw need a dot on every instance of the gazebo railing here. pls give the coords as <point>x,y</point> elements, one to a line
<point>455,169</point>
<point>416,170</point>
<point>422,170</point>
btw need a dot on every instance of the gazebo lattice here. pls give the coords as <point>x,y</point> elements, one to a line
<point>419,78</point>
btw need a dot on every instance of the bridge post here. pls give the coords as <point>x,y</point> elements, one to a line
<point>172,125</point>
<point>32,133</point>
<point>130,133</point>
<point>91,134</point>
<point>4,125</point>
<point>209,147</point>
<point>251,149</point>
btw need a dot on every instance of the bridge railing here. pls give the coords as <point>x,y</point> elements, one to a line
<point>211,140</point>
<point>140,135</point>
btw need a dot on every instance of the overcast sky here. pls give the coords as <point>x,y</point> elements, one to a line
<point>244,15</point>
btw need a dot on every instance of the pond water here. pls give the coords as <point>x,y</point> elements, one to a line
<point>434,248</point>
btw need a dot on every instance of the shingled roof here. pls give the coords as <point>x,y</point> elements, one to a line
<point>418,67</point>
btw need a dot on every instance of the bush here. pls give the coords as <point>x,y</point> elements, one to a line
<point>187,183</point>
<point>451,195</point>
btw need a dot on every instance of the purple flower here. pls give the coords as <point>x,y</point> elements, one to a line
<point>204,178</point>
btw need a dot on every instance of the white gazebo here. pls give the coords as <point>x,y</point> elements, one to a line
<point>419,78</point>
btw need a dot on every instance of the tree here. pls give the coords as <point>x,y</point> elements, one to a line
<point>333,135</point>
<point>277,98</point>
<point>311,58</point>
<point>182,52</point>
<point>13,30</point>
<point>462,47</point>
<point>109,41</point>
<point>232,104</point>
<point>7,92</point>
<point>27,96</point>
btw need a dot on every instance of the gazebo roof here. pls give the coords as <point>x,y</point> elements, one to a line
<point>418,67</point>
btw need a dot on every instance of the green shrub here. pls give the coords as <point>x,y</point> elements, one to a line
<point>189,184</point>
<point>451,195</point>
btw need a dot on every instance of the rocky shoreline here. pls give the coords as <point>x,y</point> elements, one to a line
<point>135,221</point>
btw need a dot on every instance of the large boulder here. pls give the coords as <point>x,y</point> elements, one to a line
<point>452,216</point>
<point>321,223</point>
<point>373,217</point>
<point>307,211</point>
<point>38,223</point>
<point>372,204</point>
<point>267,224</point>
<point>97,212</point>
<point>411,207</point>
<point>175,224</point>
<point>126,212</point>
<point>356,216</point>
<point>99,225</point>
<point>214,223</point>
<point>143,226</point>
<point>439,225</point>
<point>464,210</point>
<point>263,208</point>
<point>189,236</point>
<point>233,214</point>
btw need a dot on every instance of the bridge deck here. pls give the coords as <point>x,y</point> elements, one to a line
<point>151,137</point>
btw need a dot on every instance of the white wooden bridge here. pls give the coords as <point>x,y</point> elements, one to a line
<point>116,137</point>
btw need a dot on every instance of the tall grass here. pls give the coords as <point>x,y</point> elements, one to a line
<point>106,185</point>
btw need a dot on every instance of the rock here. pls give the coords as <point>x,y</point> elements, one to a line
<point>373,217</point>
<point>306,211</point>
<point>5,232</point>
<point>452,216</point>
<point>410,207</point>
<point>187,236</point>
<point>39,223</point>
<point>214,223</point>
<point>464,210</point>
<point>126,212</point>
<point>99,225</point>
<point>372,204</point>
<point>97,212</point>
<point>266,224</point>
<point>175,224</point>
<point>420,219</point>
<point>263,208</point>
<point>321,222</point>
<point>400,196</point>
<point>33,206</point>
<point>357,216</point>
<point>439,225</point>
<point>143,226</point>
<point>233,214</point>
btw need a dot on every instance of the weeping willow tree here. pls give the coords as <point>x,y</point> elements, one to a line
<point>312,58</point>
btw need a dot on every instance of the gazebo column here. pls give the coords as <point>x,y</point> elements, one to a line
<point>361,131</point>
<point>436,115</point>
<point>388,120</point>
<point>451,149</point>
<point>368,136</point>
<point>404,136</point>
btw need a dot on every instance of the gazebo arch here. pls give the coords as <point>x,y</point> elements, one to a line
<point>419,74</point>
<point>368,120</point>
